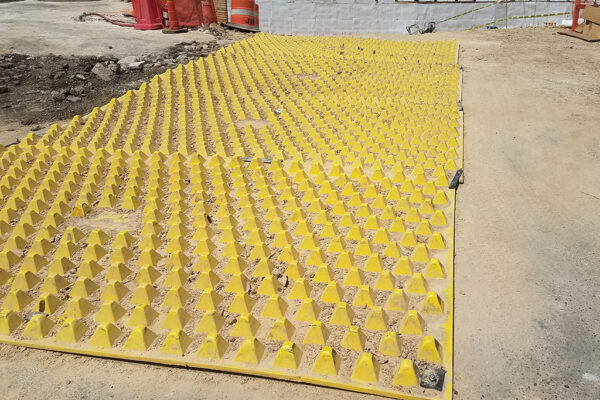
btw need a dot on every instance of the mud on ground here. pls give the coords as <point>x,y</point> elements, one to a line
<point>36,91</point>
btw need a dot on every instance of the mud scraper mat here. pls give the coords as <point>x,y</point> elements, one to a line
<point>278,209</point>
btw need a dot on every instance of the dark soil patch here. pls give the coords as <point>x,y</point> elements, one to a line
<point>40,89</point>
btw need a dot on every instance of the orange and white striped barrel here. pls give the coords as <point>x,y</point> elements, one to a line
<point>244,15</point>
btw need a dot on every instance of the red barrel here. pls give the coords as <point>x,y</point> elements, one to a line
<point>147,14</point>
<point>244,15</point>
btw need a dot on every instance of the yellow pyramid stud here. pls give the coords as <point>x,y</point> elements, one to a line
<point>61,266</point>
<point>354,277</point>
<point>263,268</point>
<point>392,251</point>
<point>148,258</point>
<point>288,356</point>
<point>416,284</point>
<point>333,293</point>
<point>206,280</point>
<point>250,352</point>
<point>420,253</point>
<point>398,301</point>
<point>143,315</point>
<point>105,336</point>
<point>430,350</point>
<point>327,362</point>
<point>9,321</point>
<point>144,294</point>
<point>235,265</point>
<point>8,259</point>
<point>317,334</point>
<point>308,311</point>
<point>176,319</point>
<point>25,280</point>
<point>208,300</point>
<point>366,369</point>
<point>403,266</point>
<point>83,287</point>
<point>78,308</point>
<point>274,308</point>
<point>98,237</point>
<point>345,260</point>
<point>436,241</point>
<point>242,303</point>
<point>301,290</point>
<point>213,347</point>
<point>206,263</point>
<point>342,315</point>
<point>148,275</point>
<point>176,343</point>
<point>354,339</point>
<point>47,303</point>
<point>92,253</point>
<point>390,344</point>
<point>434,270</point>
<point>211,322</point>
<point>364,297</point>
<point>363,248</point>
<point>324,274</point>
<point>123,239</point>
<point>282,330</point>
<point>397,226</point>
<point>4,277</point>
<point>176,297</point>
<point>408,239</point>
<point>116,272</point>
<point>376,319</point>
<point>269,286</point>
<point>438,219</point>
<point>140,339</point>
<point>237,283</point>
<point>38,327</point>
<point>432,304</point>
<point>71,331</point>
<point>114,291</point>
<point>406,375</point>
<point>246,326</point>
<point>385,281</point>
<point>413,324</point>
<point>373,263</point>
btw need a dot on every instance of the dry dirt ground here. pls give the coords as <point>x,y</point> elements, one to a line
<point>527,255</point>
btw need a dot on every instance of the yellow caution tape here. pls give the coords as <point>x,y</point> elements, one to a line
<point>517,17</point>
<point>470,11</point>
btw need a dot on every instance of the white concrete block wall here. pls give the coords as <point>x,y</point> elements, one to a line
<point>327,17</point>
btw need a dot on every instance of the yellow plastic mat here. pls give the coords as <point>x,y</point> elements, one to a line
<point>280,209</point>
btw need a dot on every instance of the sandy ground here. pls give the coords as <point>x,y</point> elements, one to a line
<point>527,250</point>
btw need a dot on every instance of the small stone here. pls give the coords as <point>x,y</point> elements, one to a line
<point>127,60</point>
<point>57,96</point>
<point>102,72</point>
<point>115,68</point>
<point>80,77</point>
<point>73,99</point>
<point>77,90</point>
<point>136,65</point>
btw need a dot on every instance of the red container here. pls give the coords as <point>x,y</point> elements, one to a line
<point>147,14</point>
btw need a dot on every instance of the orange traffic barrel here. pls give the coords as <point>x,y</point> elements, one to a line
<point>244,15</point>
